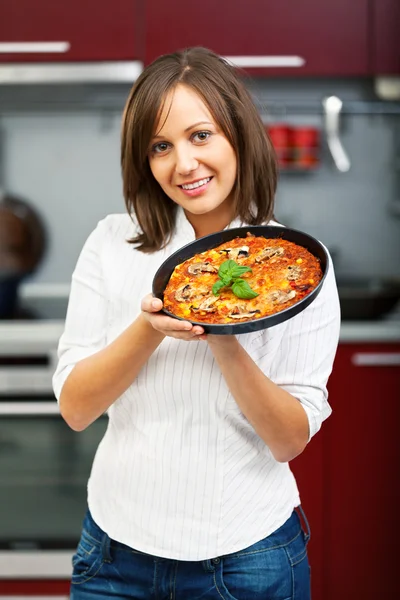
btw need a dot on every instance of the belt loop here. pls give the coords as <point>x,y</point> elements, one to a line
<point>308,530</point>
<point>208,566</point>
<point>106,549</point>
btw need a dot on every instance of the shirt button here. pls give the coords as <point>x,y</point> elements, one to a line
<point>216,561</point>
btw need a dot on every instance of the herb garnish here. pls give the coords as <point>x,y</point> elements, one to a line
<point>230,276</point>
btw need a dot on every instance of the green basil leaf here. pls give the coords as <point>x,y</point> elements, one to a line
<point>238,270</point>
<point>241,289</point>
<point>226,280</point>
<point>226,268</point>
<point>217,286</point>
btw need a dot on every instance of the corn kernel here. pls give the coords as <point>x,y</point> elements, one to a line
<point>299,260</point>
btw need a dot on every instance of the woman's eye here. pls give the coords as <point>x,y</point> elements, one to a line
<point>160,148</point>
<point>201,136</point>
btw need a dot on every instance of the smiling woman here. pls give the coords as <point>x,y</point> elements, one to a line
<point>192,475</point>
<point>200,124</point>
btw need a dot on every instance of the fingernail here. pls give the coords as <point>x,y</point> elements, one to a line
<point>188,326</point>
<point>155,303</point>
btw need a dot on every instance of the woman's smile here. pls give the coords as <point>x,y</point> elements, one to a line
<point>196,188</point>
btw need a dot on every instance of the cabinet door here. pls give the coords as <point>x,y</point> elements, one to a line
<point>308,468</point>
<point>316,37</point>
<point>385,43</point>
<point>51,30</point>
<point>35,588</point>
<point>362,468</point>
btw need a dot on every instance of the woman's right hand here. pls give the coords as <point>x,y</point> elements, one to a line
<point>181,330</point>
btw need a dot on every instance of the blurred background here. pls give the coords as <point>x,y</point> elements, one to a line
<point>325,76</point>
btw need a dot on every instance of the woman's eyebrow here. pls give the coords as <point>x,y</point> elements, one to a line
<point>160,137</point>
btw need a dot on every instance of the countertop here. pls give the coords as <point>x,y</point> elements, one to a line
<point>46,334</point>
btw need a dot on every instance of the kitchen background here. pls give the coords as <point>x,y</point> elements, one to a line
<point>66,69</point>
<point>61,153</point>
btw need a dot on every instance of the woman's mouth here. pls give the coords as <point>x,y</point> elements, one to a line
<point>196,188</point>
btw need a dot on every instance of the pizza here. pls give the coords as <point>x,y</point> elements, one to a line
<point>246,278</point>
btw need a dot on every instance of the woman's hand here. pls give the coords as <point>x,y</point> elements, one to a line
<point>181,330</point>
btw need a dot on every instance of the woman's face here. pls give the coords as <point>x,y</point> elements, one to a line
<point>190,157</point>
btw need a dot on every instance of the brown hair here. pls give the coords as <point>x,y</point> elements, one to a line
<point>228,100</point>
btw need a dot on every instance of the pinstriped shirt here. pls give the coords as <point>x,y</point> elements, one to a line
<point>180,472</point>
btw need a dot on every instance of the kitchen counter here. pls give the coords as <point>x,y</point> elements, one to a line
<point>17,334</point>
<point>370,331</point>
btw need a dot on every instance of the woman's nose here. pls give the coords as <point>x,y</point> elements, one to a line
<point>186,161</point>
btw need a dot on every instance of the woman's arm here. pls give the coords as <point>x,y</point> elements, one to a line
<point>277,417</point>
<point>98,380</point>
<point>281,389</point>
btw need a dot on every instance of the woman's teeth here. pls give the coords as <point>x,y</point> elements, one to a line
<point>192,186</point>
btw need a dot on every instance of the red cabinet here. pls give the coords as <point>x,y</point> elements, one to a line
<point>347,478</point>
<point>68,31</point>
<point>323,37</point>
<point>362,464</point>
<point>385,31</point>
<point>33,588</point>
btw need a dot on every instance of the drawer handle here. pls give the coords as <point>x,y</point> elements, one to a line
<point>381,359</point>
<point>33,47</point>
<point>266,61</point>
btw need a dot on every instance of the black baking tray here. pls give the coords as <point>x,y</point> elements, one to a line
<point>208,242</point>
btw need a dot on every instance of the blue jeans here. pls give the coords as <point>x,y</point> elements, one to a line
<point>276,568</point>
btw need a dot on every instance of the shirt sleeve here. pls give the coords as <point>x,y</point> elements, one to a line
<point>304,359</point>
<point>85,324</point>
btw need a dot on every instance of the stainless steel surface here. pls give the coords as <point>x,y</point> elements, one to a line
<point>333,106</point>
<point>378,359</point>
<point>267,61</point>
<point>33,409</point>
<point>36,565</point>
<point>105,72</point>
<point>370,331</point>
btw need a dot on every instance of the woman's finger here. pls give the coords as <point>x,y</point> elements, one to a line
<point>151,304</point>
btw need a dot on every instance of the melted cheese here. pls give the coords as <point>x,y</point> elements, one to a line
<point>287,274</point>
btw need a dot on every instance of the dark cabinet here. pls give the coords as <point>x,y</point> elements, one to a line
<point>53,31</point>
<point>316,37</point>
<point>347,478</point>
<point>385,46</point>
<point>362,462</point>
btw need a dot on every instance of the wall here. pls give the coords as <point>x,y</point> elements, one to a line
<point>61,152</point>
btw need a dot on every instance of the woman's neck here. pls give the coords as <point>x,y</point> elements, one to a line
<point>210,222</point>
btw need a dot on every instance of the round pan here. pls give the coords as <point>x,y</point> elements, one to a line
<point>208,242</point>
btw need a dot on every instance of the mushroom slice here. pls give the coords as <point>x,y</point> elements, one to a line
<point>244,315</point>
<point>184,293</point>
<point>207,305</point>
<point>235,253</point>
<point>240,312</point>
<point>268,253</point>
<point>280,297</point>
<point>294,272</point>
<point>201,267</point>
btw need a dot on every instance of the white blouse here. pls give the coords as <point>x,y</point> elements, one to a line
<point>180,473</point>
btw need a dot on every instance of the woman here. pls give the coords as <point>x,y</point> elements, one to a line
<point>190,495</point>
